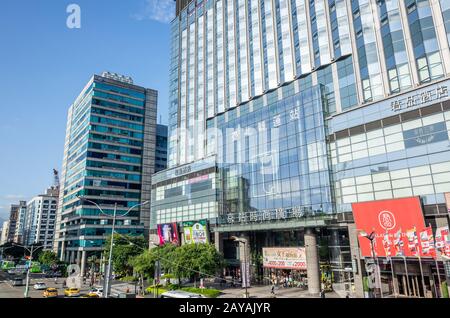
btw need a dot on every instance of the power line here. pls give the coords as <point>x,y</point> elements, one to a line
<point>174,263</point>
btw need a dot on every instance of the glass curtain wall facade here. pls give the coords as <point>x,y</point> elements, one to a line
<point>109,158</point>
<point>225,53</point>
<point>380,69</point>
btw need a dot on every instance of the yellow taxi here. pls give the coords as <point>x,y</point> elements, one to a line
<point>72,292</point>
<point>90,295</point>
<point>50,293</point>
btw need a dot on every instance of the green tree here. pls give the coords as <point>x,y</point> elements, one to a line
<point>125,248</point>
<point>195,261</point>
<point>48,258</point>
<point>144,264</point>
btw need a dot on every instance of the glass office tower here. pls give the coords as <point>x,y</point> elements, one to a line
<point>109,158</point>
<point>305,107</point>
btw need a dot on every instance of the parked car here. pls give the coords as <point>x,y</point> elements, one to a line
<point>97,290</point>
<point>72,292</point>
<point>90,295</point>
<point>40,286</point>
<point>17,281</point>
<point>180,294</point>
<point>50,293</point>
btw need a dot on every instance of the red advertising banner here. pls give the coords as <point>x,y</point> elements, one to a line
<point>168,233</point>
<point>394,223</point>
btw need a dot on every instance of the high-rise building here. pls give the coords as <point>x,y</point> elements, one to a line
<point>20,224</point>
<point>283,113</point>
<point>161,148</point>
<point>40,220</point>
<point>13,220</point>
<point>109,158</point>
<point>5,230</point>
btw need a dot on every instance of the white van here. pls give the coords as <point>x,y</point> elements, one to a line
<point>180,294</point>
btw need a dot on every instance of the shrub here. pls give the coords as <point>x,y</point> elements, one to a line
<point>129,279</point>
<point>151,290</point>
<point>211,293</point>
<point>445,290</point>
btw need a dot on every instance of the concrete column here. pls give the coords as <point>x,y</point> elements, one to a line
<point>218,242</point>
<point>78,259</point>
<point>72,257</point>
<point>66,256</point>
<point>244,250</point>
<point>312,262</point>
<point>355,253</point>
<point>83,263</point>
<point>63,250</point>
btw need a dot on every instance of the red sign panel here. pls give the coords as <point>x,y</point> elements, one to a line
<point>397,224</point>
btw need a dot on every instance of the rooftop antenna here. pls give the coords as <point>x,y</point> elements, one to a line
<point>55,178</point>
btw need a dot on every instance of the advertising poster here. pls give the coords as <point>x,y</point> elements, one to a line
<point>392,217</point>
<point>427,242</point>
<point>413,242</point>
<point>195,232</point>
<point>168,233</point>
<point>284,258</point>
<point>399,244</point>
<point>443,241</point>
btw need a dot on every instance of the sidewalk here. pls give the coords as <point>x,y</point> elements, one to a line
<point>264,292</point>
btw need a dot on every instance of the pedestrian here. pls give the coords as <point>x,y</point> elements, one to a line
<point>272,290</point>
<point>322,294</point>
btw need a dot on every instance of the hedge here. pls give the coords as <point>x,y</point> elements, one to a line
<point>211,293</point>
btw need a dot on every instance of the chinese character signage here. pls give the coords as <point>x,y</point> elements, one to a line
<point>396,224</point>
<point>195,232</point>
<point>266,215</point>
<point>284,258</point>
<point>425,135</point>
<point>420,98</point>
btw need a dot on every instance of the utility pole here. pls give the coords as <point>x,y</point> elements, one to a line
<point>108,276</point>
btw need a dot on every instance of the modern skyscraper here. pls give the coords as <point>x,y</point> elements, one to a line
<point>40,220</point>
<point>283,113</point>
<point>109,158</point>
<point>161,148</point>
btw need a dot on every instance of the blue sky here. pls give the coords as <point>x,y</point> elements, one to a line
<point>44,65</point>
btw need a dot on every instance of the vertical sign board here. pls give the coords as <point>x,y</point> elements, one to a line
<point>387,217</point>
<point>245,270</point>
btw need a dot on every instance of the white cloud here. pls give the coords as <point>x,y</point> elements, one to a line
<point>158,10</point>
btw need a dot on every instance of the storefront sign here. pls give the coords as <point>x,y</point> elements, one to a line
<point>397,221</point>
<point>195,232</point>
<point>245,270</point>
<point>284,258</point>
<point>420,98</point>
<point>168,233</point>
<point>266,215</point>
<point>183,170</point>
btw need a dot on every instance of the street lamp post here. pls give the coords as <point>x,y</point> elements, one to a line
<point>371,238</point>
<point>27,285</point>
<point>246,263</point>
<point>108,270</point>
